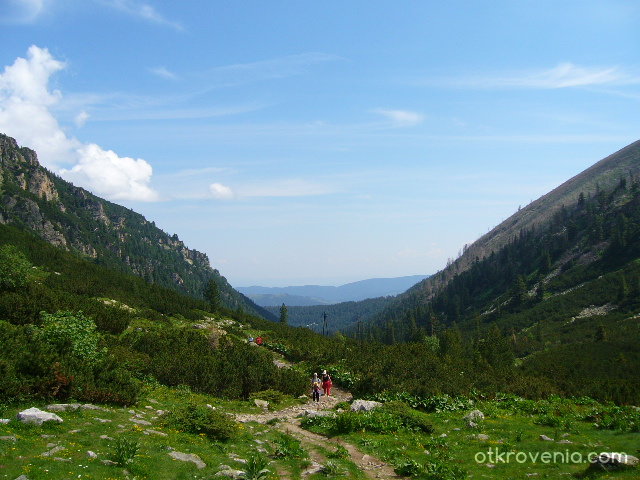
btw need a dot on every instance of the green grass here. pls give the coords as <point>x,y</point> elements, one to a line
<point>453,444</point>
<point>81,431</point>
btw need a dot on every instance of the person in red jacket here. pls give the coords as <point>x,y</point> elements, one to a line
<point>326,383</point>
<point>259,341</point>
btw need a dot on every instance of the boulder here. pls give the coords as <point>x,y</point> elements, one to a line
<point>36,416</point>
<point>612,460</point>
<point>474,416</point>
<point>545,438</point>
<point>364,405</point>
<point>482,437</point>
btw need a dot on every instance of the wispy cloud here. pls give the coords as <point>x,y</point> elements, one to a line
<point>220,191</point>
<point>21,11</point>
<point>563,75</point>
<point>401,118</point>
<point>143,11</point>
<point>163,72</point>
<point>281,67</point>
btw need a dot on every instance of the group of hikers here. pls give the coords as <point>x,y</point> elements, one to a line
<point>323,383</point>
<point>257,341</point>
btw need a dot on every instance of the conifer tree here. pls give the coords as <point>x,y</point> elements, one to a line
<point>284,314</point>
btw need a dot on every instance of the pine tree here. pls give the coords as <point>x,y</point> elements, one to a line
<point>212,294</point>
<point>284,314</point>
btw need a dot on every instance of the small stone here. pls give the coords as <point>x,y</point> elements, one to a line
<point>565,441</point>
<point>364,405</point>
<point>4,421</point>
<point>457,429</point>
<point>490,465</point>
<point>471,424</point>
<point>149,407</point>
<point>230,473</point>
<point>139,421</point>
<point>211,406</point>
<point>261,403</point>
<point>88,406</point>
<point>51,445</point>
<point>62,407</point>
<point>474,416</point>
<point>154,432</point>
<point>53,451</point>
<point>545,438</point>
<point>75,431</point>
<point>108,462</point>
<point>313,468</point>
<point>44,435</point>
<point>132,412</point>
<point>22,477</point>
<point>444,435</point>
<point>188,457</point>
<point>103,420</point>
<point>261,450</point>
<point>482,437</point>
<point>8,438</point>
<point>92,454</point>
<point>151,400</point>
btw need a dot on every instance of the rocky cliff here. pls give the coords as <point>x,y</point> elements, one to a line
<point>74,219</point>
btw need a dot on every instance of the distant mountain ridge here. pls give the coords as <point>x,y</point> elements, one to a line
<point>308,295</point>
<point>74,219</point>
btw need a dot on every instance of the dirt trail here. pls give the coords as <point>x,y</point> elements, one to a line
<point>290,423</point>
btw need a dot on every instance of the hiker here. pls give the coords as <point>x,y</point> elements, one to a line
<point>315,388</point>
<point>250,340</point>
<point>326,383</point>
<point>259,341</point>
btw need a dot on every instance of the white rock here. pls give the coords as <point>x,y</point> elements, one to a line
<point>545,438</point>
<point>139,421</point>
<point>188,457</point>
<point>364,405</point>
<point>92,454</point>
<point>607,460</point>
<point>4,421</point>
<point>62,407</point>
<point>36,416</point>
<point>261,403</point>
<point>474,416</point>
<point>8,438</point>
<point>230,473</point>
<point>154,432</point>
<point>53,451</point>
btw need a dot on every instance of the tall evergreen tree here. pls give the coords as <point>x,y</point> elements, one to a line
<point>284,314</point>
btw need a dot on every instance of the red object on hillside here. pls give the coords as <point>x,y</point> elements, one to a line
<point>259,341</point>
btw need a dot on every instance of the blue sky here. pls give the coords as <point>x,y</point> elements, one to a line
<point>327,142</point>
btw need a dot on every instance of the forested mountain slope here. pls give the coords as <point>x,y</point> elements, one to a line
<point>76,220</point>
<point>604,175</point>
<point>603,189</point>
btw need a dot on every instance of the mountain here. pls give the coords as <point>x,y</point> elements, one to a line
<point>565,256</point>
<point>74,219</point>
<point>325,295</point>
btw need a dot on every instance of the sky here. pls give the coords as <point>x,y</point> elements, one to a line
<point>320,142</point>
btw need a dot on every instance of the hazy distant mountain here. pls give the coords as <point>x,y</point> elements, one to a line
<point>307,295</point>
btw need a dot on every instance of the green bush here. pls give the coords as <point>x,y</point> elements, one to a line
<point>410,418</point>
<point>124,450</point>
<point>200,419</point>
<point>288,447</point>
<point>73,334</point>
<point>274,397</point>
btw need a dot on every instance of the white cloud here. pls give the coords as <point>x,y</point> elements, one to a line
<point>563,75</point>
<point>21,11</point>
<point>220,191</point>
<point>143,10</point>
<point>105,173</point>
<point>163,72</point>
<point>81,119</point>
<point>401,118</point>
<point>25,114</point>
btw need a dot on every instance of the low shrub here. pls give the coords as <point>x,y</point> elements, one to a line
<point>288,447</point>
<point>200,419</point>
<point>124,450</point>
<point>274,397</point>
<point>411,419</point>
